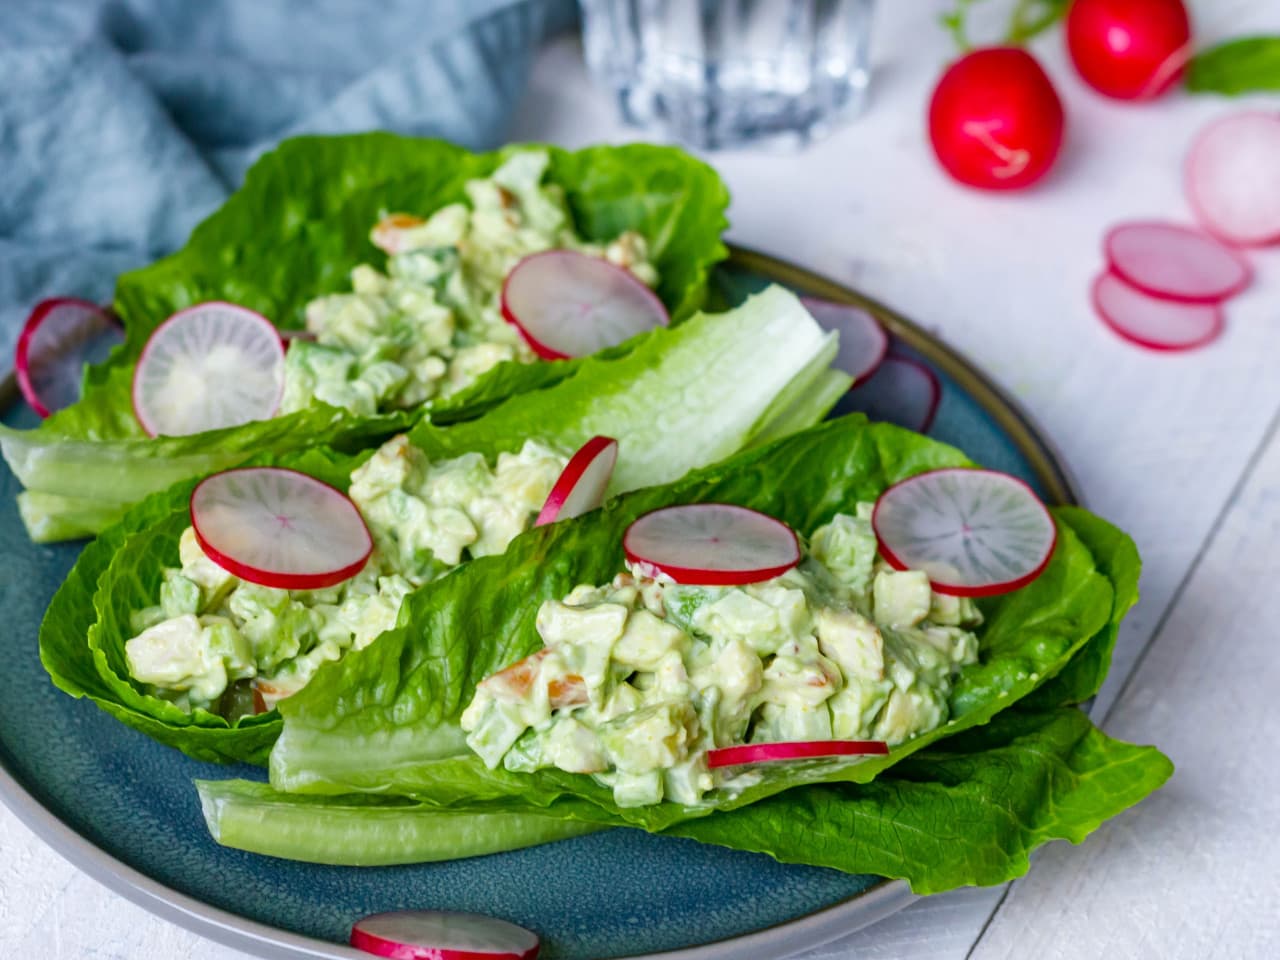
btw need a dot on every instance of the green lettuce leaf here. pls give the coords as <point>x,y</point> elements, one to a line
<point>1242,65</point>
<point>293,232</point>
<point>967,811</point>
<point>1117,558</point>
<point>385,719</point>
<point>674,402</point>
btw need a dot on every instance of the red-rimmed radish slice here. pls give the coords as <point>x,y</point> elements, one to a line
<point>442,935</point>
<point>569,304</point>
<point>209,366</point>
<point>976,533</point>
<point>583,482</point>
<point>60,336</point>
<point>1233,178</point>
<point>715,544</point>
<point>1152,322</point>
<point>863,341</point>
<point>279,528</point>
<point>1174,262</point>
<point>902,391</point>
<point>793,750</point>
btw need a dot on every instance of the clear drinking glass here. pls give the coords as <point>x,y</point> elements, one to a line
<point>715,73</point>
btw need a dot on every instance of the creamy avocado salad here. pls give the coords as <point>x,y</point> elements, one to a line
<point>432,324</point>
<point>640,678</point>
<point>233,647</point>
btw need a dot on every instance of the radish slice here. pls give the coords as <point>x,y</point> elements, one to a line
<point>61,336</point>
<point>715,544</point>
<point>793,750</point>
<point>863,341</point>
<point>976,533</point>
<point>582,485</point>
<point>441,935</point>
<point>568,304</point>
<point>1233,178</point>
<point>1151,322</point>
<point>902,391</point>
<point>279,528</point>
<point>210,366</point>
<point>1175,263</point>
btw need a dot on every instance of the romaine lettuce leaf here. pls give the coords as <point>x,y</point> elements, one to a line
<point>966,811</point>
<point>675,401</point>
<point>294,231</point>
<point>385,718</point>
<point>1117,557</point>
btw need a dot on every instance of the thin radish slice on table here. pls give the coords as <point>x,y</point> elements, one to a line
<point>583,482</point>
<point>1151,322</point>
<point>209,366</point>
<point>60,336</point>
<point>442,935</point>
<point>793,750</point>
<point>715,544</point>
<point>976,533</point>
<point>863,341</point>
<point>279,528</point>
<point>903,391</point>
<point>1175,263</point>
<point>1233,178</point>
<point>569,304</point>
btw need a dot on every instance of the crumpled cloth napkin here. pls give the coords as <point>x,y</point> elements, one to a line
<point>123,123</point>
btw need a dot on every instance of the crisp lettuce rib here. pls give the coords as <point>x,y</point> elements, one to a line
<point>669,409</point>
<point>367,831</point>
<point>294,231</point>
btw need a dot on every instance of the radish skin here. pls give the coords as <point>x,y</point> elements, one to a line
<point>279,528</point>
<point>581,486</point>
<point>976,533</point>
<point>442,935</point>
<point>749,753</point>
<point>1151,322</point>
<point>1174,262</point>
<point>711,544</point>
<point>863,340</point>
<point>80,323</point>
<point>1233,178</point>
<point>568,304</point>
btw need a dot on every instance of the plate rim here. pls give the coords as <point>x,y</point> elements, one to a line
<point>813,929</point>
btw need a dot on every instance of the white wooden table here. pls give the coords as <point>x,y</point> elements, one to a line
<point>1182,451</point>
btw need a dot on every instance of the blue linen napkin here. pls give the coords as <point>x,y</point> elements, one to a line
<point>123,123</point>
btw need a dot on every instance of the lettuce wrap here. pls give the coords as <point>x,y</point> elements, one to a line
<point>294,231</point>
<point>1016,765</point>
<point>674,402</point>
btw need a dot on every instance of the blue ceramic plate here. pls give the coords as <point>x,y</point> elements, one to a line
<point>122,807</point>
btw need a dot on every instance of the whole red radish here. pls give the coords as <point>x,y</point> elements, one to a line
<point>995,120</point>
<point>1129,49</point>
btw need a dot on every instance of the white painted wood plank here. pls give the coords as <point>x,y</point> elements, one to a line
<point>1195,871</point>
<point>944,925</point>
